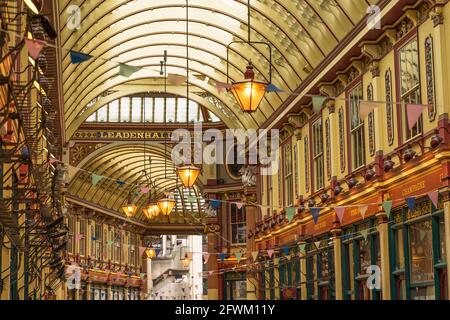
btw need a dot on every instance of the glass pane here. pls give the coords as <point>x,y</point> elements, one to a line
<point>114,111</point>
<point>193,111</point>
<point>148,109</point>
<point>125,110</point>
<point>422,268</point>
<point>213,117</point>
<point>443,255</point>
<point>159,110</point>
<point>136,109</point>
<point>102,114</point>
<point>181,111</point>
<point>170,109</point>
<point>364,256</point>
<point>92,117</point>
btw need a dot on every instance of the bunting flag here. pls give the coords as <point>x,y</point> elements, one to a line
<point>414,112</point>
<point>206,257</point>
<point>286,251</point>
<point>290,213</point>
<point>387,207</point>
<point>93,238</point>
<point>340,213</point>
<point>176,79</point>
<point>220,86</point>
<point>78,57</point>
<point>255,255</point>
<point>238,256</point>
<point>434,197</point>
<point>289,257</point>
<point>144,190</point>
<point>365,108</point>
<point>222,256</point>
<point>96,179</point>
<point>239,205</point>
<point>142,250</point>
<point>215,204</point>
<point>273,88</point>
<point>270,253</point>
<point>365,234</point>
<point>120,182</point>
<point>302,248</point>
<point>211,273</point>
<point>315,214</point>
<point>411,203</point>
<point>35,47</point>
<point>78,237</point>
<point>363,210</point>
<point>318,103</point>
<point>317,244</point>
<point>174,254</point>
<point>127,70</point>
<point>422,234</point>
<point>110,243</point>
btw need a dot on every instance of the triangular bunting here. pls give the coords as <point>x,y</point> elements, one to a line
<point>434,197</point>
<point>127,70</point>
<point>238,256</point>
<point>273,88</point>
<point>96,179</point>
<point>109,242</point>
<point>315,212</point>
<point>255,255</point>
<point>120,182</point>
<point>318,103</point>
<point>78,57</point>
<point>414,111</point>
<point>176,79</point>
<point>35,47</point>
<point>302,248</point>
<point>411,203</point>
<point>144,190</point>
<point>215,204</point>
<point>211,272</point>
<point>365,108</point>
<point>290,213</point>
<point>222,256</point>
<point>340,213</point>
<point>387,207</point>
<point>317,244</point>
<point>174,254</point>
<point>239,205</point>
<point>206,256</point>
<point>286,251</point>
<point>220,86</point>
<point>270,253</point>
<point>363,210</point>
<point>365,234</point>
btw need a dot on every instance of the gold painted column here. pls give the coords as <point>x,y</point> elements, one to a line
<point>446,201</point>
<point>251,213</point>
<point>337,254</point>
<point>303,288</point>
<point>383,231</point>
<point>213,280</point>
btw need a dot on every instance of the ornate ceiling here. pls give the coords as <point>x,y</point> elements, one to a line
<point>302,33</point>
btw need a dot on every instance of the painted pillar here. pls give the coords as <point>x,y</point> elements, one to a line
<point>446,200</point>
<point>383,231</point>
<point>337,254</point>
<point>303,288</point>
<point>251,213</point>
<point>149,279</point>
<point>213,280</point>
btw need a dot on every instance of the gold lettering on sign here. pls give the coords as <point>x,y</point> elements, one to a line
<point>355,212</point>
<point>413,188</point>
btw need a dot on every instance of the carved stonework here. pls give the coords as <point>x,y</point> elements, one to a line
<point>341,139</point>
<point>80,150</point>
<point>429,68</point>
<point>328,147</point>
<point>330,105</point>
<point>437,16</point>
<point>374,68</point>
<point>371,122</point>
<point>404,27</point>
<point>306,164</point>
<point>389,107</point>
<point>249,174</point>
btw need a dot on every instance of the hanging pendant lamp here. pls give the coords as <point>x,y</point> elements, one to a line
<point>166,206</point>
<point>129,209</point>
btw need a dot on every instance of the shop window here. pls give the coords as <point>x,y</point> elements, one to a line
<point>70,236</point>
<point>357,128</point>
<point>98,243</point>
<point>238,225</point>
<point>113,112</point>
<point>408,57</point>
<point>148,109</point>
<point>83,235</point>
<point>136,109</point>
<point>318,157</point>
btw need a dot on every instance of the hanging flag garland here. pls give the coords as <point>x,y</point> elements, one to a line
<point>127,70</point>
<point>35,47</point>
<point>78,57</point>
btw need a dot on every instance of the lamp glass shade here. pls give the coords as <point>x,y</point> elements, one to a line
<point>150,253</point>
<point>249,94</point>
<point>129,210</point>
<point>34,5</point>
<point>188,175</point>
<point>166,206</point>
<point>151,211</point>
<point>186,261</point>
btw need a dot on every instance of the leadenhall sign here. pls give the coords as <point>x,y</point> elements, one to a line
<point>122,135</point>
